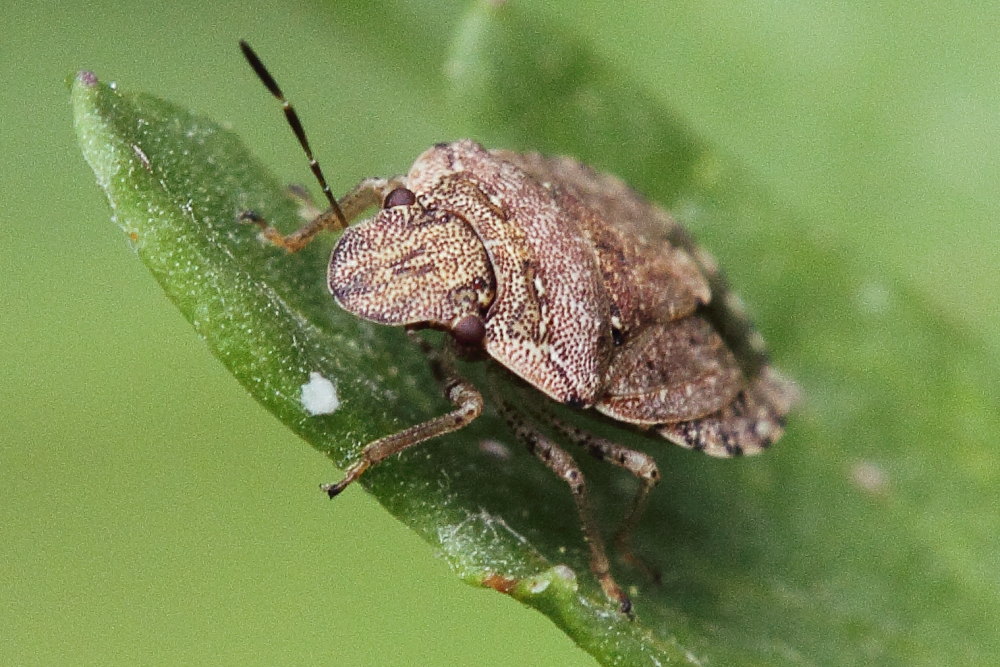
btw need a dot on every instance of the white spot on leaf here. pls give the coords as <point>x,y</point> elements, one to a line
<point>319,395</point>
<point>539,586</point>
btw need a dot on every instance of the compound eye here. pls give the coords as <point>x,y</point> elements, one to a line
<point>469,330</point>
<point>399,197</point>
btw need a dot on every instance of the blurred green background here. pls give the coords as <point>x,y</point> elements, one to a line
<point>152,512</point>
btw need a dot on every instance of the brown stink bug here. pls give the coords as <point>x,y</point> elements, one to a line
<point>565,279</point>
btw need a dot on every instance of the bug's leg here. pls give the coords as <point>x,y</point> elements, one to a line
<point>641,465</point>
<point>333,218</point>
<point>563,465</point>
<point>463,395</point>
<point>369,192</point>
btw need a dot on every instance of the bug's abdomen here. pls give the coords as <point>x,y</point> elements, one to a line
<point>688,362</point>
<point>748,424</point>
<point>672,371</point>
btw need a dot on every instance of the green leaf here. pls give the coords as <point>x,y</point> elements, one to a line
<point>176,182</point>
<point>859,539</point>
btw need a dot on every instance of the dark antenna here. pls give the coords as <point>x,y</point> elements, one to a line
<point>295,123</point>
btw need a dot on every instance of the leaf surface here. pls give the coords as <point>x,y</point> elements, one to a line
<point>841,546</point>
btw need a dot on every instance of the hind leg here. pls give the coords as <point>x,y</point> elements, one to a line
<point>640,465</point>
<point>562,464</point>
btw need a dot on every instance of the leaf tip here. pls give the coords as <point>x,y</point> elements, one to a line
<point>86,78</point>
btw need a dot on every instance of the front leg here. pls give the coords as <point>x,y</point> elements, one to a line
<point>366,194</point>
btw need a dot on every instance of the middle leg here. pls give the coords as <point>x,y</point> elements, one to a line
<point>467,402</point>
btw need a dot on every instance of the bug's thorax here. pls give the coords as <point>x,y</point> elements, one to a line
<point>549,320</point>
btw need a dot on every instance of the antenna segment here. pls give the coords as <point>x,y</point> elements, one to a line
<point>293,120</point>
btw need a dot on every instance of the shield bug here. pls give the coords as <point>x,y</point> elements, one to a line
<point>564,279</point>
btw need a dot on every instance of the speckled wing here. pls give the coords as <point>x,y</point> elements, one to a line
<point>648,276</point>
<point>679,370</point>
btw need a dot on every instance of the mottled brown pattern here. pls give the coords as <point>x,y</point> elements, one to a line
<point>646,276</point>
<point>672,371</point>
<point>751,422</point>
<point>603,301</point>
<point>585,290</point>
